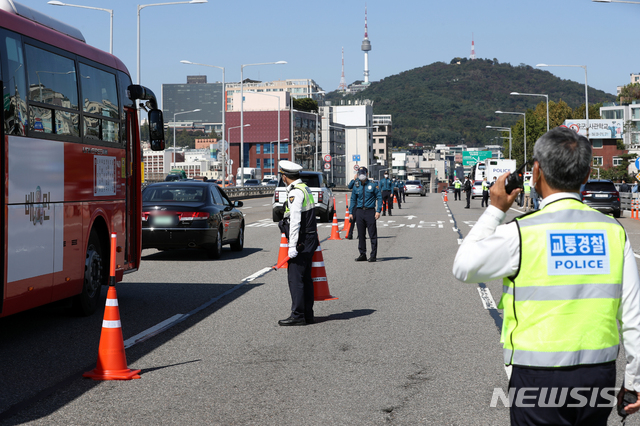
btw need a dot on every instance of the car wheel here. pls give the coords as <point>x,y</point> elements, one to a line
<point>215,251</point>
<point>95,268</point>
<point>616,214</point>
<point>328,216</point>
<point>423,195</point>
<point>238,245</point>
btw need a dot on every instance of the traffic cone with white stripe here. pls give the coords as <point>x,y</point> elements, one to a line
<point>112,362</point>
<point>283,253</point>
<point>319,277</point>
<point>347,223</point>
<point>335,231</point>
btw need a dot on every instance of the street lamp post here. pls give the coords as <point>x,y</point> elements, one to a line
<point>174,132</point>
<point>535,94</point>
<point>504,129</point>
<point>524,115</point>
<point>224,108</point>
<point>242,111</point>
<point>229,142</point>
<point>271,152</point>
<point>142,6</point>
<point>586,90</point>
<point>59,3</point>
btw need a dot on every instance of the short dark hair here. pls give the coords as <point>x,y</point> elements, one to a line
<point>564,156</point>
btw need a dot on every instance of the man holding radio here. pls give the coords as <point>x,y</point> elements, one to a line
<point>569,280</point>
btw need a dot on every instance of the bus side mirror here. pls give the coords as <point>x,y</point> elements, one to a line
<point>156,130</point>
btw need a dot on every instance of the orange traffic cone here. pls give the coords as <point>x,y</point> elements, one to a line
<point>347,223</point>
<point>395,199</point>
<point>284,252</point>
<point>335,233</point>
<point>319,276</point>
<point>112,362</point>
<point>445,197</point>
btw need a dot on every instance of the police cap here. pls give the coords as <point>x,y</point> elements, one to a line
<point>363,171</point>
<point>289,167</point>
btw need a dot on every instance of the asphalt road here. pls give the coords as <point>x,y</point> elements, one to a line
<point>405,343</point>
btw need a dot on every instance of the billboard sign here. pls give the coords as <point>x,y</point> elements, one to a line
<point>598,129</point>
<point>469,158</point>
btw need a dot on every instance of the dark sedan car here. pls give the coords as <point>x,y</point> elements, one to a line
<point>601,195</point>
<point>190,214</point>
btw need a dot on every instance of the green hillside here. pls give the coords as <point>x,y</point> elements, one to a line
<point>446,103</point>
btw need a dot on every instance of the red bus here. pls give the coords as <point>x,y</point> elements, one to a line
<point>70,156</point>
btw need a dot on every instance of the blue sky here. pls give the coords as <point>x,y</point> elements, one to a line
<point>404,34</point>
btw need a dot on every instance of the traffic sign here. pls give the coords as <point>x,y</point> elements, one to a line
<point>356,167</point>
<point>356,158</point>
<point>327,158</point>
<point>469,158</point>
<point>327,166</point>
<point>638,163</point>
<point>638,177</point>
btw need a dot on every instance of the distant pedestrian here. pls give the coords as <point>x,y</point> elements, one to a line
<point>396,192</point>
<point>386,189</point>
<point>457,188</point>
<point>468,187</point>
<point>624,187</point>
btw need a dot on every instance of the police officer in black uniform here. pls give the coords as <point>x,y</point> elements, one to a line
<point>363,198</point>
<point>299,226</point>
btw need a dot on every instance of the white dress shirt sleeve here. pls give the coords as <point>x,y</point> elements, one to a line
<point>490,251</point>
<point>295,208</point>
<point>629,317</point>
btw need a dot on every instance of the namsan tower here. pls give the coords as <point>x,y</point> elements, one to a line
<point>473,48</point>
<point>366,47</point>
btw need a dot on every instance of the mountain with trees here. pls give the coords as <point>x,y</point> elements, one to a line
<point>453,103</point>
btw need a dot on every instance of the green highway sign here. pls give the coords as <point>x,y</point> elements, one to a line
<point>469,158</point>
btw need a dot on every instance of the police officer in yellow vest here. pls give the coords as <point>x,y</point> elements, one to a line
<point>569,279</point>
<point>527,195</point>
<point>300,227</point>
<point>485,193</point>
<point>457,189</point>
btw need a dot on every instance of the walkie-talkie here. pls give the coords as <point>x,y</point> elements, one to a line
<point>515,180</point>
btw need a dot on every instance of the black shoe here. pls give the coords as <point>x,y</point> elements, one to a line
<point>348,238</point>
<point>390,214</point>
<point>384,214</point>
<point>309,320</point>
<point>361,258</point>
<point>467,207</point>
<point>292,321</point>
<point>372,259</point>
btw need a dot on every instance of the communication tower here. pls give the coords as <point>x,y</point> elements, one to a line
<point>343,82</point>
<point>473,48</point>
<point>366,47</point>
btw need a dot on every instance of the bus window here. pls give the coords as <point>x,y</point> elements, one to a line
<point>53,93</point>
<point>15,113</point>
<point>100,100</point>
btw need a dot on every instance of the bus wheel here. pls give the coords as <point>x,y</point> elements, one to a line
<point>86,303</point>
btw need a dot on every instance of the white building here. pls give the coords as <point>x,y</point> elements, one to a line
<point>357,120</point>
<point>297,88</point>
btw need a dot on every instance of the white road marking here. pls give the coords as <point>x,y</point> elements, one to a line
<point>487,299</point>
<point>455,229</point>
<point>150,332</point>
<point>459,241</point>
<point>451,221</point>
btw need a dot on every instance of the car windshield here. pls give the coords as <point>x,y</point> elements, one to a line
<point>600,186</point>
<point>173,194</point>
<point>311,181</point>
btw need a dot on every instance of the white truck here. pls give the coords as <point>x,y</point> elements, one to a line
<point>496,168</point>
<point>249,173</point>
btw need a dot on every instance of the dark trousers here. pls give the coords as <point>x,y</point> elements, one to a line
<point>397,195</point>
<point>353,224</point>
<point>456,193</point>
<point>468,198</point>
<point>366,220</point>
<point>485,199</point>
<point>404,200</point>
<point>387,202</point>
<point>592,378</point>
<point>301,286</point>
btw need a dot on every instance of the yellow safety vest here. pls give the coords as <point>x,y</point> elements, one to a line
<point>457,184</point>
<point>560,307</point>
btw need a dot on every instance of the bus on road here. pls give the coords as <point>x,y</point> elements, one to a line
<point>70,155</point>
